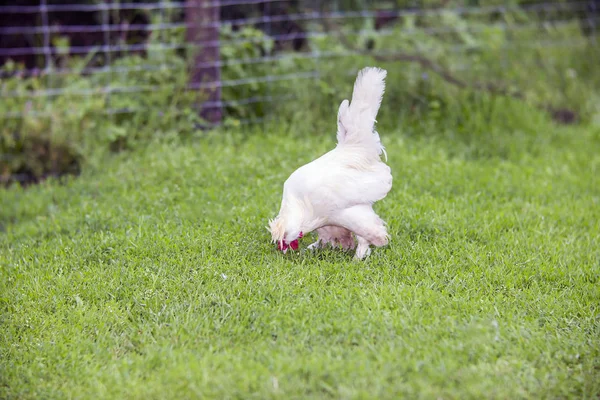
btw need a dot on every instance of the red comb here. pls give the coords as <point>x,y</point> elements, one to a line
<point>282,245</point>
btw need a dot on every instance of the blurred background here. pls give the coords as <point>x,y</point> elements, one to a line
<point>85,77</point>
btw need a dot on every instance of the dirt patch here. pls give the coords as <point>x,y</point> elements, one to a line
<point>33,160</point>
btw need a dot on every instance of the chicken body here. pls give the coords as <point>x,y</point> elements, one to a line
<point>334,194</point>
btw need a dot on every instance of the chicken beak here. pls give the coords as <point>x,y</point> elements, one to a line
<point>282,246</point>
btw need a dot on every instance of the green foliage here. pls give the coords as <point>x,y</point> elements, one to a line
<point>82,113</point>
<point>434,58</point>
<point>240,52</point>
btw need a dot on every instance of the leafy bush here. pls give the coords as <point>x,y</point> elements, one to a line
<point>79,112</point>
<point>240,50</point>
<point>433,60</point>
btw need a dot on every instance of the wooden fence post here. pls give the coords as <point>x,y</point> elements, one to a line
<point>202,20</point>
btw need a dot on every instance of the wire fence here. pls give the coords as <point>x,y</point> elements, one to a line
<point>204,42</point>
<point>78,75</point>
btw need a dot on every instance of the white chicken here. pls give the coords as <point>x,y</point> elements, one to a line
<point>334,194</point>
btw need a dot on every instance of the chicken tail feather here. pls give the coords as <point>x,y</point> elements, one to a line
<point>356,122</point>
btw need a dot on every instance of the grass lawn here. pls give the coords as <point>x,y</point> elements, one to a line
<point>151,276</point>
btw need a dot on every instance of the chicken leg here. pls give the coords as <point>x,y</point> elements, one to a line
<point>366,225</point>
<point>335,236</point>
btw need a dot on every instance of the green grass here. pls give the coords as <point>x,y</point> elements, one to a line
<point>151,276</point>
